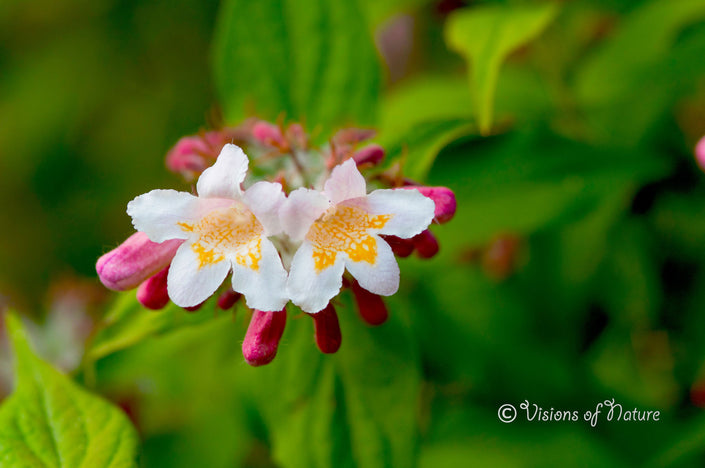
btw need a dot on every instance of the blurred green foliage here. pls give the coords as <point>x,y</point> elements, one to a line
<point>586,172</point>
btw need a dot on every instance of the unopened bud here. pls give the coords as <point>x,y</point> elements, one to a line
<point>188,155</point>
<point>402,248</point>
<point>263,336</point>
<point>327,330</point>
<point>194,308</point>
<point>268,134</point>
<point>370,306</point>
<point>443,197</point>
<point>135,260</point>
<point>152,293</point>
<point>370,155</point>
<point>426,244</point>
<point>228,299</point>
<point>700,153</point>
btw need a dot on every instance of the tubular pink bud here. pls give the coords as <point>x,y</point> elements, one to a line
<point>327,330</point>
<point>152,293</point>
<point>188,155</point>
<point>372,155</point>
<point>370,306</point>
<point>262,337</point>
<point>228,299</point>
<point>268,133</point>
<point>443,197</point>
<point>133,261</point>
<point>426,244</point>
<point>700,153</point>
<point>402,248</point>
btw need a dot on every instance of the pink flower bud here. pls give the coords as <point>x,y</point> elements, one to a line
<point>350,136</point>
<point>268,134</point>
<point>370,306</point>
<point>327,330</point>
<point>152,293</point>
<point>228,299</point>
<point>262,337</point>
<point>135,260</point>
<point>426,244</point>
<point>700,153</point>
<point>189,155</point>
<point>443,197</point>
<point>402,248</point>
<point>372,155</point>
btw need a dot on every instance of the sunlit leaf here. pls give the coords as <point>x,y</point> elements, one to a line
<point>313,60</point>
<point>485,36</point>
<point>49,421</point>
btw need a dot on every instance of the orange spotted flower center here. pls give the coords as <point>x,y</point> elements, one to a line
<point>344,229</point>
<point>232,232</point>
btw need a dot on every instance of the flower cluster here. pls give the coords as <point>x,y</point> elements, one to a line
<point>291,238</point>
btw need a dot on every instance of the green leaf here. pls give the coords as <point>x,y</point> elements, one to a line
<point>313,60</point>
<point>49,421</point>
<point>129,323</point>
<point>355,408</point>
<point>485,36</point>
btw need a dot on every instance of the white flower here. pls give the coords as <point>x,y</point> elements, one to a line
<point>224,229</point>
<point>340,229</point>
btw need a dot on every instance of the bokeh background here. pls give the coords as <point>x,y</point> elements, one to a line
<point>573,271</point>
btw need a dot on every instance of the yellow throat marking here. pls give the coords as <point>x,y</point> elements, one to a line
<point>234,231</point>
<point>344,229</point>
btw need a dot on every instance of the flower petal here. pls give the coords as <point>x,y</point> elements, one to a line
<point>264,288</point>
<point>223,179</point>
<point>188,282</point>
<point>264,199</point>
<point>411,212</point>
<point>345,182</point>
<point>311,290</point>
<point>381,277</point>
<point>300,210</point>
<point>157,213</point>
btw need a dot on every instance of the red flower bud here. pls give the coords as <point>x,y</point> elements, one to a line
<point>402,248</point>
<point>443,197</point>
<point>426,244</point>
<point>262,337</point>
<point>152,293</point>
<point>327,330</point>
<point>370,306</point>
<point>371,155</point>
<point>228,299</point>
